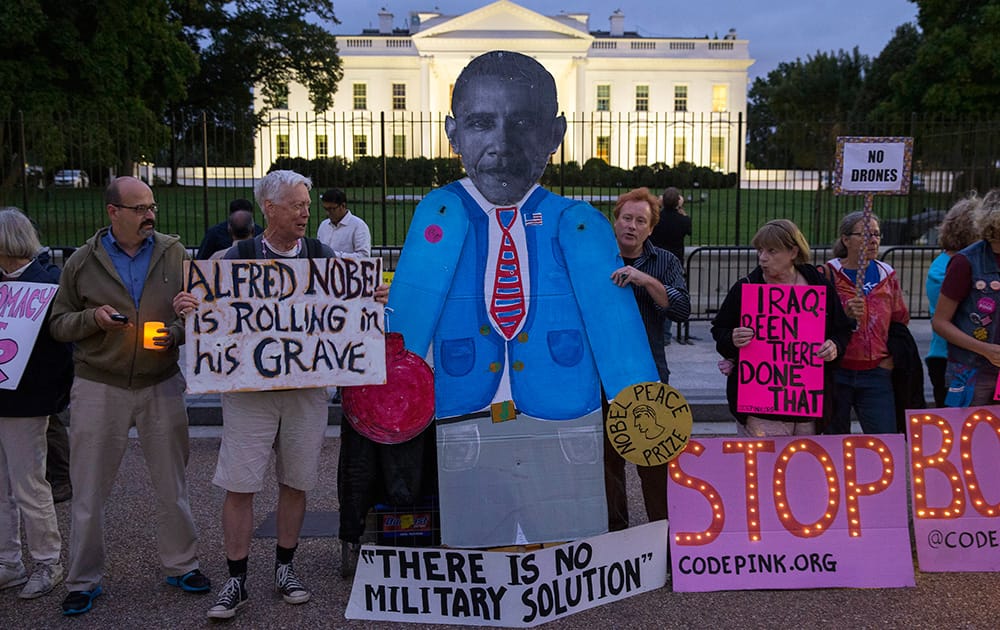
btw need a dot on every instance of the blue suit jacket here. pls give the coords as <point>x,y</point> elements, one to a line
<point>581,329</point>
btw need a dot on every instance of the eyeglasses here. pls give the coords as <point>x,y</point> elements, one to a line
<point>872,234</point>
<point>140,210</point>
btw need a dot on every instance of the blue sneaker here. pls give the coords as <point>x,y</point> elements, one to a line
<point>79,602</point>
<point>193,582</point>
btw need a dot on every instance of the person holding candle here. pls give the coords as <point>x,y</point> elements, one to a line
<point>126,275</point>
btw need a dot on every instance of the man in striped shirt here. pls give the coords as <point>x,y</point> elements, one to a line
<point>657,280</point>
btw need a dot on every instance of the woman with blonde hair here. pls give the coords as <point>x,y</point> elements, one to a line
<point>967,312</point>
<point>956,232</point>
<point>784,258</point>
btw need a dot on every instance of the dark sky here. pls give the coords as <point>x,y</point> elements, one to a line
<point>778,30</point>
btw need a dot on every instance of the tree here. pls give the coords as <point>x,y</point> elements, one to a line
<point>797,112</point>
<point>882,83</point>
<point>242,46</point>
<point>91,73</point>
<point>955,70</point>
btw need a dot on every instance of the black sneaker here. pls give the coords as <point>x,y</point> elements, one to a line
<point>231,597</point>
<point>286,583</point>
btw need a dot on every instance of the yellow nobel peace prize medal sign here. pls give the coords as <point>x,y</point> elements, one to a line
<point>649,423</point>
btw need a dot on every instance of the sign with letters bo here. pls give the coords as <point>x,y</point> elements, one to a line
<point>779,372</point>
<point>22,312</point>
<point>494,588</point>
<point>873,165</point>
<point>790,513</point>
<point>284,324</point>
<point>955,481</point>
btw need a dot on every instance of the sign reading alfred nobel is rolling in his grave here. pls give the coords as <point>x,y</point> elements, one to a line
<point>282,324</point>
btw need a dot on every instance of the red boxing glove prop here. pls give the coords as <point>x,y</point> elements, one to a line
<point>401,408</point>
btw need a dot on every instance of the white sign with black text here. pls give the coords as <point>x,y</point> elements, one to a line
<point>509,589</point>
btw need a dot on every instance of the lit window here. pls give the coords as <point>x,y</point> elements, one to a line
<point>680,147</point>
<point>720,98</point>
<point>399,96</point>
<point>322,146</point>
<point>604,98</point>
<point>642,98</point>
<point>718,155</point>
<point>283,146</point>
<point>360,96</point>
<point>360,145</point>
<point>680,98</point>
<point>641,151</point>
<point>399,146</point>
<point>604,148</point>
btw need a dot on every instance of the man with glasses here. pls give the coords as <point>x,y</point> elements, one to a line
<point>343,232</point>
<point>290,422</point>
<point>127,274</point>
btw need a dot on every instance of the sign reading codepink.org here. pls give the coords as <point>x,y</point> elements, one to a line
<point>779,371</point>
<point>790,513</point>
<point>955,481</point>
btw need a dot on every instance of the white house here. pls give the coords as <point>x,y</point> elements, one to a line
<point>629,99</point>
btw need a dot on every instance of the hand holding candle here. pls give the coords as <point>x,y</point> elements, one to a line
<point>152,338</point>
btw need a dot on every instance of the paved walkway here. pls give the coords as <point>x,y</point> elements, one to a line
<point>136,596</point>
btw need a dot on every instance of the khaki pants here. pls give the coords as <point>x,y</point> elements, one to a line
<point>98,436</point>
<point>26,493</point>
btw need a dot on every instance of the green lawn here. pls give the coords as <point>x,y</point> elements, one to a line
<point>67,217</point>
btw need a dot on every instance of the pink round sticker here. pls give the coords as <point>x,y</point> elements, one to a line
<point>433,233</point>
<point>980,285</point>
<point>986,305</point>
<point>995,285</point>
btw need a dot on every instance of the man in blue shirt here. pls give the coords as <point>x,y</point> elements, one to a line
<point>125,275</point>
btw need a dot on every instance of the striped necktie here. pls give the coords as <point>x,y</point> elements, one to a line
<point>507,306</point>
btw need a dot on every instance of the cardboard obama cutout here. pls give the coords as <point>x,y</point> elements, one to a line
<point>510,286</point>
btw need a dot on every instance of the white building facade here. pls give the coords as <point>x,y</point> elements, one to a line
<point>630,100</point>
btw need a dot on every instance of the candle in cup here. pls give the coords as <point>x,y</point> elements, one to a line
<point>149,331</point>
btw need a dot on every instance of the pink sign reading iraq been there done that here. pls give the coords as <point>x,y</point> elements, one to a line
<point>790,513</point>
<point>779,372</point>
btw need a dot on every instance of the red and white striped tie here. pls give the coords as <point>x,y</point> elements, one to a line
<point>507,306</point>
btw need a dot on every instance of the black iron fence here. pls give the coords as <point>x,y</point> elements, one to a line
<point>387,162</point>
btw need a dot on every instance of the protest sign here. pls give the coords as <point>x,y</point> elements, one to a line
<point>867,165</point>
<point>22,312</point>
<point>955,482</point>
<point>649,423</point>
<point>494,588</point>
<point>790,513</point>
<point>779,372</point>
<point>284,324</point>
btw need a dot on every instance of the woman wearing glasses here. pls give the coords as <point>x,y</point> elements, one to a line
<point>864,376</point>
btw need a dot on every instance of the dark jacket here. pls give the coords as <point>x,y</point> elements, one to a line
<point>45,384</point>
<point>669,233</point>
<point>839,328</point>
<point>218,238</point>
<point>907,373</point>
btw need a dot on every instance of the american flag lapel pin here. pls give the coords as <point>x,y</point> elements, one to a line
<point>533,218</point>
